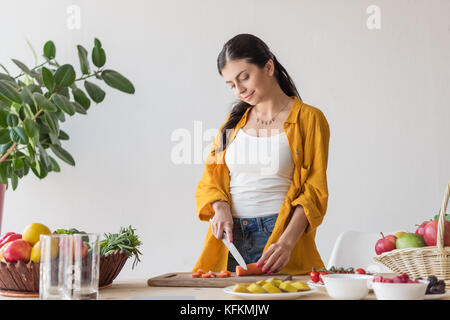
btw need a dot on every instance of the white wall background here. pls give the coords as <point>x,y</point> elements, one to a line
<point>384,92</point>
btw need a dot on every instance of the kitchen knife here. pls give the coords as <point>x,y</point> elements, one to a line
<point>234,252</point>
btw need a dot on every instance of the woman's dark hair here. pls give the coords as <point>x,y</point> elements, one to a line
<point>255,51</point>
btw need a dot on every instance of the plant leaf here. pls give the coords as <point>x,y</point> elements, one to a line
<point>98,56</point>
<point>81,98</point>
<point>65,92</point>
<point>115,80</point>
<point>54,139</point>
<point>22,66</point>
<point>14,181</point>
<point>18,135</point>
<point>48,79</point>
<point>54,164</point>
<point>94,91</point>
<point>84,62</point>
<point>31,128</point>
<point>12,120</point>
<point>79,108</point>
<point>3,115</point>
<point>4,136</point>
<point>51,122</point>
<point>5,147</point>
<point>64,104</point>
<point>65,75</point>
<point>43,157</point>
<point>49,50</point>
<point>63,135</point>
<point>61,153</point>
<point>18,164</point>
<point>44,103</point>
<point>6,77</point>
<point>97,43</point>
<point>27,96</point>
<point>9,92</point>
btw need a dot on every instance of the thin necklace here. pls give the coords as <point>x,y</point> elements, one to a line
<point>264,122</point>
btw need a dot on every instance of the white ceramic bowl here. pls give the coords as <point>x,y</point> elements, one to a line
<point>347,286</point>
<point>400,291</point>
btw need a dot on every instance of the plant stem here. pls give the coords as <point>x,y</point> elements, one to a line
<point>37,114</point>
<point>14,145</point>
<point>22,73</point>
<point>11,149</point>
<point>88,76</point>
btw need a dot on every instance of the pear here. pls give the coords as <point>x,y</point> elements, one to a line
<point>410,240</point>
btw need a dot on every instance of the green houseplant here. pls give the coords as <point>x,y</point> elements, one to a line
<point>35,102</point>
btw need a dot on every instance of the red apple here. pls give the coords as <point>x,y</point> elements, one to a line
<point>421,228</point>
<point>17,250</point>
<point>430,233</point>
<point>80,249</point>
<point>385,244</point>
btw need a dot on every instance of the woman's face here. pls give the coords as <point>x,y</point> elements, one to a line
<point>248,82</point>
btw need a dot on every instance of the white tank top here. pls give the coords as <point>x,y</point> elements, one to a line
<point>261,170</point>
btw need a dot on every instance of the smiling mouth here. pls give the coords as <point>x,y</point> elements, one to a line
<point>249,95</point>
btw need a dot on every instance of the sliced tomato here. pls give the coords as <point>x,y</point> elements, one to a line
<point>360,271</point>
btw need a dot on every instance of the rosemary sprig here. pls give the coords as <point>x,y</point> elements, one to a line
<point>125,240</point>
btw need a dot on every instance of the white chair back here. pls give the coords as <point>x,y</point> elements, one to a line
<point>356,249</point>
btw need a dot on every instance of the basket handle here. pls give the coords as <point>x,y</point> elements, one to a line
<point>440,234</point>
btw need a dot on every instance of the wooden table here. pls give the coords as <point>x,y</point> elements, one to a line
<point>137,289</point>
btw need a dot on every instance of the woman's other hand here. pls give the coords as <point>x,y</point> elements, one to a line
<point>275,258</point>
<point>222,220</point>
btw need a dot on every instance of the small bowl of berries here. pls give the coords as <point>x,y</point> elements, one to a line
<point>400,287</point>
<point>435,288</point>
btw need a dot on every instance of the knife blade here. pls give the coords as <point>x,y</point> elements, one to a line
<point>234,252</point>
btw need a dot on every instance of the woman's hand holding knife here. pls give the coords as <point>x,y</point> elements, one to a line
<point>222,220</point>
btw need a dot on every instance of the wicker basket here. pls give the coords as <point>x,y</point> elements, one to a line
<point>424,261</point>
<point>21,279</point>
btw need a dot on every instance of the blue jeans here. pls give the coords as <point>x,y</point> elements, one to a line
<point>250,236</point>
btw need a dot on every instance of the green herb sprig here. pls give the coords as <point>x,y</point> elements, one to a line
<point>125,240</point>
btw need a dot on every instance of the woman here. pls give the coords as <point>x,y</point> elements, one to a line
<point>271,218</point>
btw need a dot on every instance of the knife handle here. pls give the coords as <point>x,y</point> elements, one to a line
<point>224,233</point>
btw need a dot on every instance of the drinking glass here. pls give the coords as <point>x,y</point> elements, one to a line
<point>84,276</point>
<point>55,265</point>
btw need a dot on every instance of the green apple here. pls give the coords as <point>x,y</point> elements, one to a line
<point>399,234</point>
<point>410,240</point>
<point>446,217</point>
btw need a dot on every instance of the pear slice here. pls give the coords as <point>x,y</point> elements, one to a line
<point>256,288</point>
<point>240,288</point>
<point>271,288</point>
<point>276,282</point>
<point>287,287</point>
<point>300,285</point>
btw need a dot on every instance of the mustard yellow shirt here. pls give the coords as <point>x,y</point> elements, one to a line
<point>308,133</point>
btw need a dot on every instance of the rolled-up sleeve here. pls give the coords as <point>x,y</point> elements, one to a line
<point>313,195</point>
<point>209,188</point>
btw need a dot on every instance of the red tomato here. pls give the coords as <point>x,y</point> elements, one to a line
<point>320,276</point>
<point>360,271</point>
<point>314,275</point>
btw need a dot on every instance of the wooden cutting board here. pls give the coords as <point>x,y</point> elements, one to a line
<point>184,279</point>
